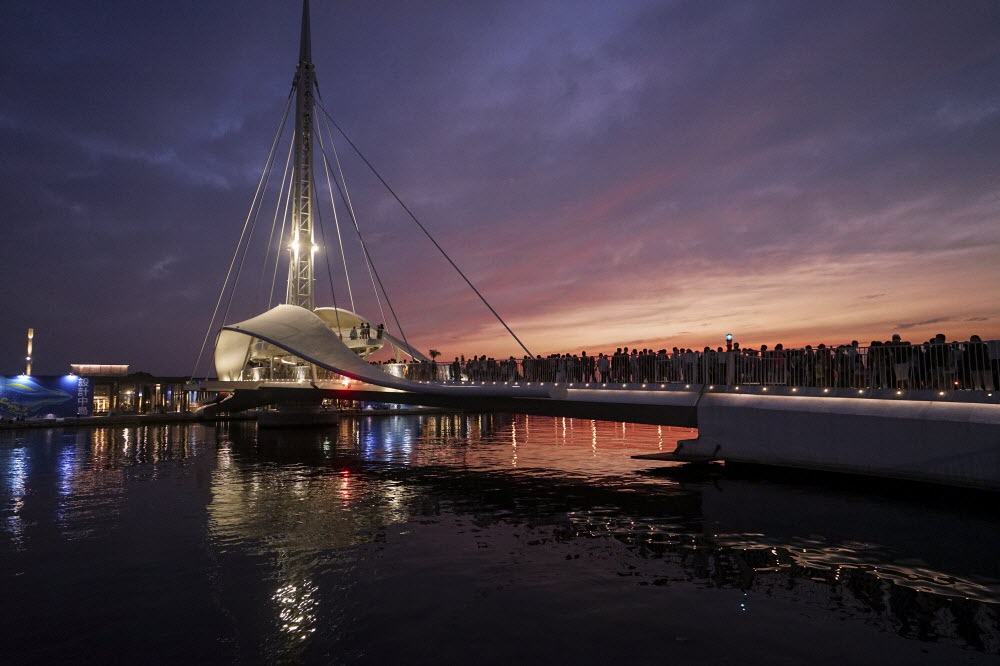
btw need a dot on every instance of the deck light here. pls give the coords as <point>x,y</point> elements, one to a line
<point>643,386</point>
<point>737,388</point>
<point>624,385</point>
<point>765,388</point>
<point>826,390</point>
<point>586,384</point>
<point>860,391</point>
<point>793,390</point>
<point>710,388</point>
<point>687,386</point>
<point>941,393</point>
<point>899,393</point>
<point>663,386</point>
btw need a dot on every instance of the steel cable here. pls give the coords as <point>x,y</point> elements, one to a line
<point>418,223</point>
<point>257,194</point>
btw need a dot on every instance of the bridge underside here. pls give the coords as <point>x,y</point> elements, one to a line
<point>950,443</point>
<point>680,415</point>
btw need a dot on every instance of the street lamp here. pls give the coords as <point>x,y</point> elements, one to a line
<point>729,342</point>
<point>31,337</point>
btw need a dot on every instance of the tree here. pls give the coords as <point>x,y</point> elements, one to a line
<point>434,353</point>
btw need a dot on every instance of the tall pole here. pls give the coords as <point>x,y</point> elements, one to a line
<point>302,244</point>
<point>31,336</point>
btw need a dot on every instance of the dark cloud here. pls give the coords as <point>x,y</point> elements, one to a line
<point>927,322</point>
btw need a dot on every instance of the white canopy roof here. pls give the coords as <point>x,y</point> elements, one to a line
<point>307,335</point>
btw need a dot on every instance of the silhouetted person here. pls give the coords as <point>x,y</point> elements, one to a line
<point>977,360</point>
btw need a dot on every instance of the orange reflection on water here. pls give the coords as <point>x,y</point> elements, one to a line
<point>532,443</point>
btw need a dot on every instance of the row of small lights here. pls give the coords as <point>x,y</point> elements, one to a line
<point>687,386</point>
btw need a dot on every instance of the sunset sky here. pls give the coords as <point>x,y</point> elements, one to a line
<point>607,173</point>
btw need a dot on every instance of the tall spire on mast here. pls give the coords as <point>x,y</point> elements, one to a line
<point>302,244</point>
<point>305,43</point>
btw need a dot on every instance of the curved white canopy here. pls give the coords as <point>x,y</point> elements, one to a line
<point>306,335</point>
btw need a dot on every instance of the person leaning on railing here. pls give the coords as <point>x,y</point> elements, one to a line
<point>994,352</point>
<point>938,360</point>
<point>878,365</point>
<point>901,356</point>
<point>977,362</point>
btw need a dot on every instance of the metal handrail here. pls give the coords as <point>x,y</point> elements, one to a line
<point>947,366</point>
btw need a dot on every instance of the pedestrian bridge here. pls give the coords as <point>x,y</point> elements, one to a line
<point>646,394</point>
<point>897,415</point>
<point>943,436</point>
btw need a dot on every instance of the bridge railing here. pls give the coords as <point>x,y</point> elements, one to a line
<point>942,367</point>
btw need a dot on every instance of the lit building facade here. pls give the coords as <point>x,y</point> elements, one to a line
<point>117,391</point>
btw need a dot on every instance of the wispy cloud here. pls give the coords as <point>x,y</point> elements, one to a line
<point>161,269</point>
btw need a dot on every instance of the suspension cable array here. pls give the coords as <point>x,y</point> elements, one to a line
<point>345,196</point>
<point>286,179</point>
<point>336,184</point>
<point>419,224</point>
<point>251,214</point>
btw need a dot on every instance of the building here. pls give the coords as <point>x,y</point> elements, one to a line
<point>117,391</point>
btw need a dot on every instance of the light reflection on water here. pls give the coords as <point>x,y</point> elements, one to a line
<point>360,542</point>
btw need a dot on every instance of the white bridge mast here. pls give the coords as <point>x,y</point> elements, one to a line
<point>302,245</point>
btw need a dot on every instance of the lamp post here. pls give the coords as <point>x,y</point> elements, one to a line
<point>31,335</point>
<point>729,342</point>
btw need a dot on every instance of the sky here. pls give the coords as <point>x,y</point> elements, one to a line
<point>637,173</point>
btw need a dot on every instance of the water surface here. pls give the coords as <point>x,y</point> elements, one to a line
<point>461,539</point>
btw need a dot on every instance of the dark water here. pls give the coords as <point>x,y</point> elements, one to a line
<point>472,539</point>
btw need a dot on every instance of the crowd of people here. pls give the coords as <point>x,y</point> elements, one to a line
<point>895,363</point>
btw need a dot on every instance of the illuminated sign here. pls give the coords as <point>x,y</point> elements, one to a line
<point>38,397</point>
